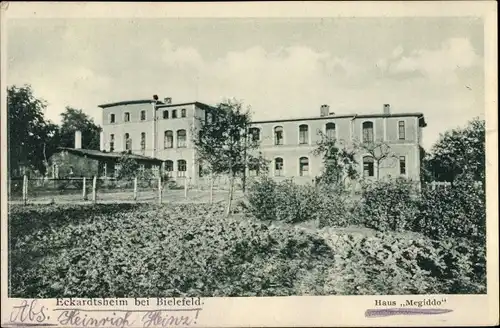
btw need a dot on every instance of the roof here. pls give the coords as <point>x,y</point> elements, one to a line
<point>196,103</point>
<point>97,154</point>
<point>160,104</point>
<point>420,116</point>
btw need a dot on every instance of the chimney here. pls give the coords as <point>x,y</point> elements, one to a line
<point>387,109</point>
<point>324,110</point>
<point>155,97</point>
<point>78,139</point>
<point>167,100</point>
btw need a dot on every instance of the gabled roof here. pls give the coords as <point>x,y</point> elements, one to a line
<point>97,154</point>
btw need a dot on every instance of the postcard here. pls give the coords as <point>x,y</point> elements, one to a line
<point>239,164</point>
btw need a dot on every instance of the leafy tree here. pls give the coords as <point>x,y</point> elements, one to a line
<point>224,143</point>
<point>459,152</point>
<point>75,119</point>
<point>31,138</point>
<point>380,151</point>
<point>128,167</point>
<point>339,163</point>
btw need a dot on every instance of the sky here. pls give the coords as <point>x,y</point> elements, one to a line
<point>280,67</point>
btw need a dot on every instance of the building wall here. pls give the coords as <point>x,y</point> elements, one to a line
<point>136,126</point>
<point>347,130</point>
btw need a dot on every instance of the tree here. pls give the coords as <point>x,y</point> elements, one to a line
<point>381,153</point>
<point>75,119</point>
<point>31,138</point>
<point>338,163</point>
<point>459,152</point>
<point>128,167</point>
<point>224,143</point>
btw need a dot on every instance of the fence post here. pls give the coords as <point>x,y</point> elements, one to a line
<point>84,188</point>
<point>94,185</point>
<point>185,187</point>
<point>135,188</point>
<point>159,189</point>
<point>25,189</point>
<point>211,189</point>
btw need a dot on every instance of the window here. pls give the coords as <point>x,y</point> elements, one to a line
<point>303,134</point>
<point>111,142</point>
<point>165,114</point>
<point>112,118</point>
<point>128,142</point>
<point>303,166</point>
<point>181,138</point>
<point>367,132</point>
<point>143,115</point>
<point>169,167</point>
<point>200,170</point>
<point>368,166</point>
<point>255,134</point>
<point>127,117</point>
<point>330,130</point>
<point>181,168</point>
<point>402,165</point>
<point>168,141</point>
<point>401,130</point>
<point>183,112</point>
<point>143,141</point>
<point>174,113</point>
<point>278,135</point>
<point>278,167</point>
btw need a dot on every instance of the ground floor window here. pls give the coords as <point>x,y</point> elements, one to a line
<point>303,166</point>
<point>368,166</point>
<point>278,167</point>
<point>181,168</point>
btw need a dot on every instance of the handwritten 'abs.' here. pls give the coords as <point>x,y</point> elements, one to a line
<point>28,312</point>
<point>75,318</point>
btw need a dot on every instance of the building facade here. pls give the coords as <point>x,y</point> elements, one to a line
<point>163,130</point>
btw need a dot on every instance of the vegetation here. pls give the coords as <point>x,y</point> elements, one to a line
<point>459,152</point>
<point>223,142</point>
<point>144,250</point>
<point>32,139</point>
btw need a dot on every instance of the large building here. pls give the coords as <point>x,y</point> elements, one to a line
<point>161,129</point>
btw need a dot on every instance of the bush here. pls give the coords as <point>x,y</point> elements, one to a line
<point>261,198</point>
<point>389,205</point>
<point>292,203</point>
<point>388,264</point>
<point>455,211</point>
<point>296,203</point>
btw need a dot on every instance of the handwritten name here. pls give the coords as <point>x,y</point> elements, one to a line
<point>28,312</point>
<point>123,318</point>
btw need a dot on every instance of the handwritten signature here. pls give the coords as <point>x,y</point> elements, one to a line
<point>27,312</point>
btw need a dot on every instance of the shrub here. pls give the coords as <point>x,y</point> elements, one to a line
<point>292,203</point>
<point>388,264</point>
<point>456,211</point>
<point>389,205</point>
<point>335,208</point>
<point>261,198</point>
<point>296,203</point>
